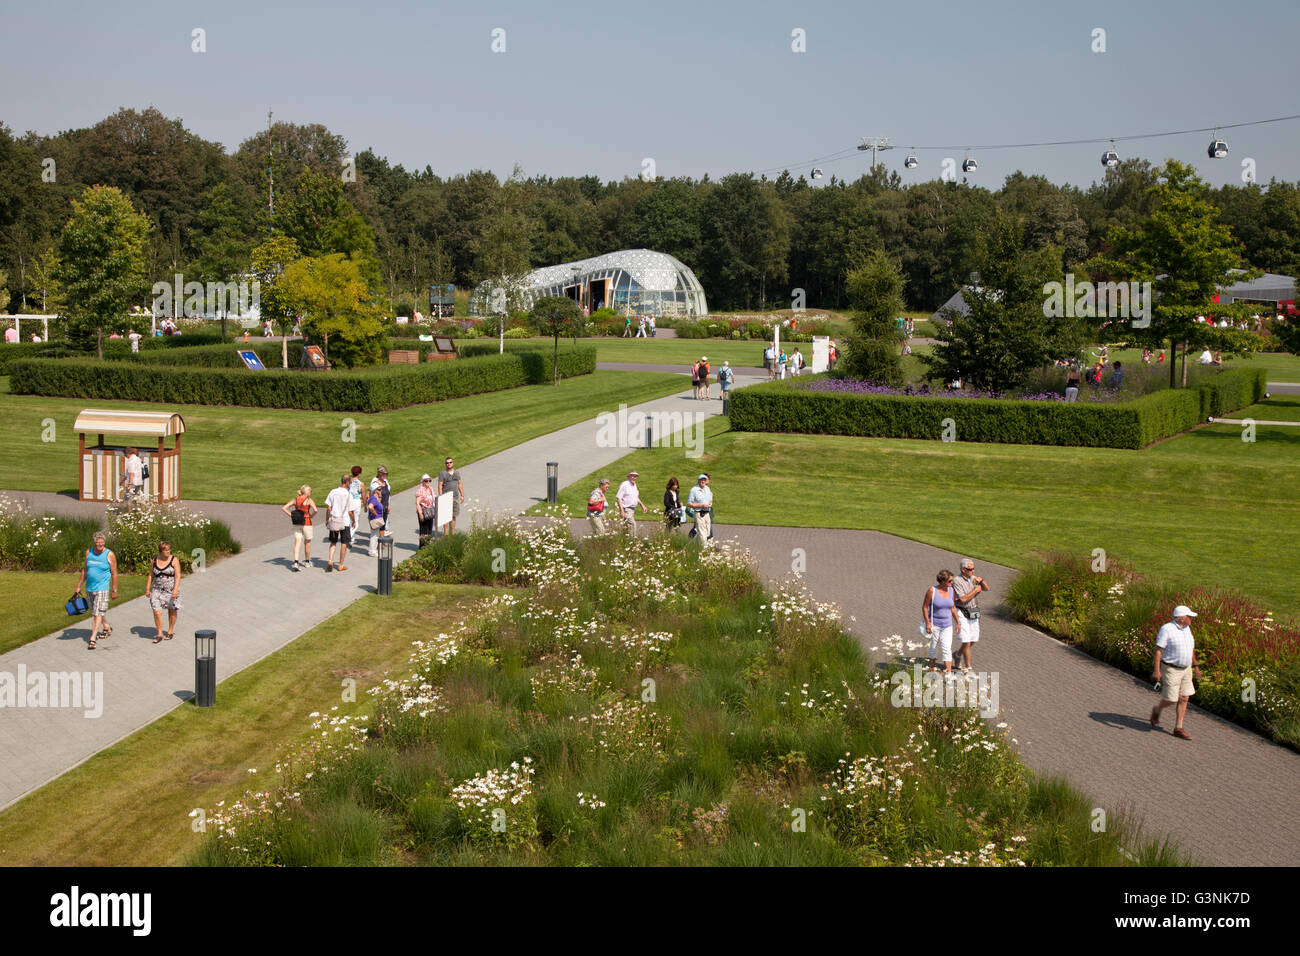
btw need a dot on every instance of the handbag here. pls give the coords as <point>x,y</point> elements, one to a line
<point>376,524</point>
<point>76,606</point>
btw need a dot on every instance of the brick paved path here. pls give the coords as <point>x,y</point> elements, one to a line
<point>1226,796</point>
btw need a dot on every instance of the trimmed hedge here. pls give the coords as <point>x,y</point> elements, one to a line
<point>787,407</point>
<point>113,348</point>
<point>365,390</point>
<point>221,356</point>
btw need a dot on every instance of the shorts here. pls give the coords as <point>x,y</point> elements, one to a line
<point>1176,682</point>
<point>941,641</point>
<point>970,630</point>
<point>98,602</point>
<point>343,536</point>
<point>163,601</point>
<point>302,532</point>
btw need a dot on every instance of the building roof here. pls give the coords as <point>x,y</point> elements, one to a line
<point>107,422</point>
<point>1278,288</point>
<point>652,271</point>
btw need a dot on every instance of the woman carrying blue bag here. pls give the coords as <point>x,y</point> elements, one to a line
<point>99,578</point>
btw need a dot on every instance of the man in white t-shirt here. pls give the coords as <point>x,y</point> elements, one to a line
<point>132,477</point>
<point>1176,650</point>
<point>135,338</point>
<point>339,521</point>
<point>628,498</point>
<point>1206,358</point>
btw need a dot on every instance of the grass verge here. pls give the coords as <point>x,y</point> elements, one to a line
<point>31,604</point>
<point>145,786</point>
<point>263,455</point>
<point>1204,506</point>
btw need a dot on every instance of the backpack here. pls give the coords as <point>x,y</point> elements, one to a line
<point>144,470</point>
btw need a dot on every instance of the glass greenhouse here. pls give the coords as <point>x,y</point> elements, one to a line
<point>632,281</point>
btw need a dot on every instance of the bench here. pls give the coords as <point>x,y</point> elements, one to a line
<point>403,357</point>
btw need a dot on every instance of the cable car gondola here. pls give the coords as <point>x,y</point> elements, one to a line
<point>910,162</point>
<point>1218,149</point>
<point>969,165</point>
<point>817,172</point>
<point>1110,157</point>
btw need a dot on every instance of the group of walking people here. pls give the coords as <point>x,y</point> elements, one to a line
<point>778,363</point>
<point>98,579</point>
<point>700,379</point>
<point>354,507</point>
<point>698,507</point>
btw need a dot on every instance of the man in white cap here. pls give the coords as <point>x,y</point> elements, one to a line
<point>628,498</point>
<point>1177,651</point>
<point>700,505</point>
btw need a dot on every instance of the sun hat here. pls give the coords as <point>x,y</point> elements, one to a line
<point>426,477</point>
<point>702,476</point>
<point>704,358</point>
<point>1184,611</point>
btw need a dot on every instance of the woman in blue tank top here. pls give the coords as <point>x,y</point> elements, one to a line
<point>940,621</point>
<point>99,577</point>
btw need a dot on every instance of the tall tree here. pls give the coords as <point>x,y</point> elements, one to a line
<point>746,241</point>
<point>1183,249</point>
<point>335,301</point>
<point>102,267</point>
<point>268,263</point>
<point>876,294</point>
<point>223,248</point>
<point>1005,336</point>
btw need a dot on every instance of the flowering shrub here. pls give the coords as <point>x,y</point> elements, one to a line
<point>629,729</point>
<point>134,533</point>
<point>1247,657</point>
<point>56,543</point>
<point>497,808</point>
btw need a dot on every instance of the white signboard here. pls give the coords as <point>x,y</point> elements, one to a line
<point>821,353</point>
<point>443,505</point>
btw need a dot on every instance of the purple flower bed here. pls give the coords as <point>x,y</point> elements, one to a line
<point>858,387</point>
<point>849,386</point>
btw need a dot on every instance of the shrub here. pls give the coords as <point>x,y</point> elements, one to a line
<point>56,543</point>
<point>791,407</point>
<point>364,390</point>
<point>1114,615</point>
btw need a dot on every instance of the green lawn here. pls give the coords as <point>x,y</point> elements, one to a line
<point>1205,506</point>
<point>193,758</point>
<point>263,455</point>
<point>1277,408</point>
<point>682,352</point>
<point>31,604</point>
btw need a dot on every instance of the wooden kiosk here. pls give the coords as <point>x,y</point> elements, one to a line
<point>101,465</point>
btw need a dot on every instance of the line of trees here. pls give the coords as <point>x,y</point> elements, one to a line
<point>751,240</point>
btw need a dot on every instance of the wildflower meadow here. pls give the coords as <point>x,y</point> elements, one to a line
<point>579,715</point>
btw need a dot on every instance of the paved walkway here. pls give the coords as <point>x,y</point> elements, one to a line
<point>1225,796</point>
<point>255,603</point>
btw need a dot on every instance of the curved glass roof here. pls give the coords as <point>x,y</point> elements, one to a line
<point>632,281</point>
<point>652,271</point>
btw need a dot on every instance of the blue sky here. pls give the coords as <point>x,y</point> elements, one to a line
<point>589,87</point>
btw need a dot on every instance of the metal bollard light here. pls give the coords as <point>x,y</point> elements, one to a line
<point>552,482</point>
<point>385,552</point>
<point>205,668</point>
<point>649,431</point>
<point>726,405</point>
